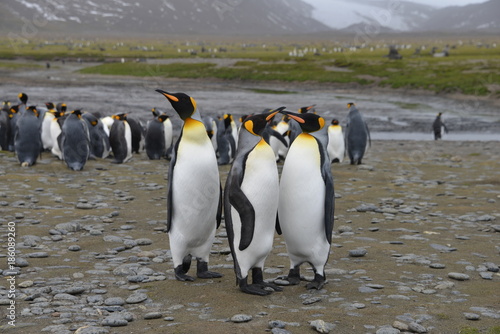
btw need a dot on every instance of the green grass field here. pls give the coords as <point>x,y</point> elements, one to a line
<point>473,67</point>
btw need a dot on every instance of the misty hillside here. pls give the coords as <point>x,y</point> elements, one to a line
<point>161,16</point>
<point>241,17</point>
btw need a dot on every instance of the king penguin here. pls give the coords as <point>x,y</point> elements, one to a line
<point>5,126</point>
<point>99,140</point>
<point>155,139</point>
<point>75,141</point>
<point>48,117</point>
<point>357,135</point>
<point>194,199</point>
<point>306,201</point>
<point>55,131</point>
<point>336,145</point>
<point>251,203</point>
<point>28,142</point>
<point>120,139</point>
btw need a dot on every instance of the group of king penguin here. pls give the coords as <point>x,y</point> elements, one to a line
<point>255,201</point>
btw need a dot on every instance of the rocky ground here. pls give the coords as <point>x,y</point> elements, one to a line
<point>415,249</point>
<point>415,246</point>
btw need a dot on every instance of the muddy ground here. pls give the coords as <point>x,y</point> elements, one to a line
<point>425,212</point>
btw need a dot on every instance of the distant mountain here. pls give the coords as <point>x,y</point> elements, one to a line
<point>482,17</point>
<point>375,16</point>
<point>245,17</point>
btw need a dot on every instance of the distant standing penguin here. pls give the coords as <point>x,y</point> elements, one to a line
<point>336,144</point>
<point>48,117</point>
<point>155,141</point>
<point>251,203</point>
<point>438,126</point>
<point>55,132</point>
<point>357,135</point>
<point>5,126</point>
<point>75,141</point>
<point>99,140</point>
<point>120,139</point>
<point>28,142</point>
<point>306,201</point>
<point>137,132</point>
<point>226,145</point>
<point>14,115</point>
<point>194,199</point>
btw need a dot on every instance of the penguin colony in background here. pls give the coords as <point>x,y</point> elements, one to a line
<point>257,201</point>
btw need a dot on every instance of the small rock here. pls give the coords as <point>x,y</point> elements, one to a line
<point>114,320</point>
<point>321,326</point>
<point>114,301</point>
<point>143,241</point>
<point>153,315</point>
<point>400,325</point>
<point>276,324</point>
<point>92,330</point>
<point>459,276</point>
<point>388,330</point>
<point>311,300</point>
<point>471,316</point>
<point>136,298</point>
<point>416,328</point>
<point>279,331</point>
<point>38,255</point>
<point>357,252</point>
<point>238,318</point>
<point>437,266</point>
<point>26,284</point>
<point>74,248</point>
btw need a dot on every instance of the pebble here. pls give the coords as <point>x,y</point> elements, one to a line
<point>387,330</point>
<point>276,324</point>
<point>472,316</point>
<point>437,266</point>
<point>459,276</point>
<point>114,301</point>
<point>38,255</point>
<point>280,331</point>
<point>238,318</point>
<point>357,252</point>
<point>153,315</point>
<point>136,298</point>
<point>416,328</point>
<point>321,326</point>
<point>311,300</point>
<point>92,330</point>
<point>74,248</point>
<point>114,320</point>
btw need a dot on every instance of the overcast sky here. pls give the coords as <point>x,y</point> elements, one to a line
<point>436,3</point>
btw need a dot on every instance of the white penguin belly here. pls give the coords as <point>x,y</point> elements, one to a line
<point>261,187</point>
<point>336,145</point>
<point>196,191</point>
<point>302,204</point>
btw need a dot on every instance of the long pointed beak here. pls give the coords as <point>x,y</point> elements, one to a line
<point>274,112</point>
<point>293,116</point>
<point>168,95</point>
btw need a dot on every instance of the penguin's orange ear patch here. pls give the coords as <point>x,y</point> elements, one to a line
<point>298,119</point>
<point>171,97</point>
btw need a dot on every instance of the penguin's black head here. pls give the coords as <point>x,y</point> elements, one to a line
<point>351,104</point>
<point>182,103</point>
<point>33,110</point>
<point>13,110</point>
<point>6,105</point>
<point>49,105</point>
<point>335,121</point>
<point>61,107</point>
<point>120,117</point>
<point>228,118</point>
<point>304,110</point>
<point>255,124</point>
<point>308,122</point>
<point>162,118</point>
<point>23,98</point>
<point>77,113</point>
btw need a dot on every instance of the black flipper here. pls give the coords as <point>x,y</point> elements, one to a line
<point>245,209</point>
<point>170,185</point>
<point>329,192</point>
<point>278,227</point>
<point>219,208</point>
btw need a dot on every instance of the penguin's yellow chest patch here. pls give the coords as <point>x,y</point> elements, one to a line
<point>194,131</point>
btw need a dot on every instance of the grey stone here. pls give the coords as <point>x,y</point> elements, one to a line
<point>153,315</point>
<point>360,252</point>
<point>459,276</point>
<point>114,301</point>
<point>136,298</point>
<point>21,262</point>
<point>238,318</point>
<point>38,255</point>
<point>321,326</point>
<point>416,328</point>
<point>31,240</point>
<point>74,248</point>
<point>143,241</point>
<point>444,249</point>
<point>472,316</point>
<point>92,330</point>
<point>276,324</point>
<point>311,300</point>
<point>114,320</point>
<point>437,266</point>
<point>366,208</point>
<point>388,330</point>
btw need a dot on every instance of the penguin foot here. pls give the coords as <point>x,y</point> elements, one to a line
<point>180,274</point>
<point>203,272</point>
<point>252,289</point>
<point>317,283</point>
<point>258,279</point>
<point>270,286</point>
<point>293,276</point>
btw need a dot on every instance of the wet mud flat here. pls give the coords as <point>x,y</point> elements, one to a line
<point>416,248</point>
